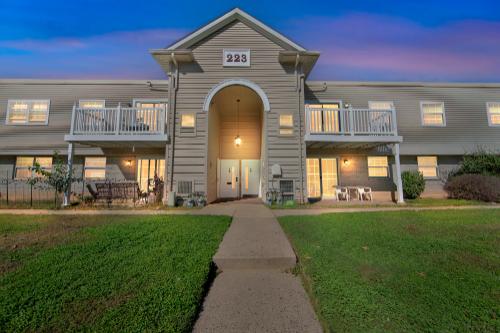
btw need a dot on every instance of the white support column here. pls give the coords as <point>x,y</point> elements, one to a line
<point>67,194</point>
<point>165,178</point>
<point>399,182</point>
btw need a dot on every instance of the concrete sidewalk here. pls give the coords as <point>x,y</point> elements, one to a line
<point>253,293</point>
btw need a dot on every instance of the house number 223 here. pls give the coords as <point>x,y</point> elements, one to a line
<point>236,58</point>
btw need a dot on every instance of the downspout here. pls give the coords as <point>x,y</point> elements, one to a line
<point>299,90</point>
<point>174,80</point>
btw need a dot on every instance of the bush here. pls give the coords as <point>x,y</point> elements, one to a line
<point>413,184</point>
<point>474,187</point>
<point>480,162</point>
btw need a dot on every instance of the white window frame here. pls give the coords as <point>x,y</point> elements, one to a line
<point>91,100</point>
<point>428,165</point>
<point>286,127</point>
<point>388,102</point>
<point>27,123</point>
<point>85,167</point>
<point>386,167</point>
<point>488,104</point>
<point>150,100</point>
<point>323,102</point>
<point>194,120</point>
<point>33,160</point>
<point>422,114</point>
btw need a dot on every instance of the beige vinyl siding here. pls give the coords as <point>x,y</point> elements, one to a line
<point>196,80</point>
<point>466,119</point>
<point>62,96</point>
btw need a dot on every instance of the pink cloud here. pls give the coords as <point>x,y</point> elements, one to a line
<point>393,47</point>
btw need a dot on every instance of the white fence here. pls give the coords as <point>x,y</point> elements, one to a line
<point>118,121</point>
<point>333,121</point>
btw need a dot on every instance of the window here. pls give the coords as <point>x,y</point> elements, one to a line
<point>286,124</point>
<point>24,165</point>
<point>313,178</point>
<point>493,113</point>
<point>150,104</point>
<point>324,118</point>
<point>146,171</point>
<point>378,166</point>
<point>377,105</point>
<point>432,114</point>
<point>92,103</point>
<point>187,120</point>
<point>427,165</point>
<point>151,113</point>
<point>28,112</point>
<point>95,168</point>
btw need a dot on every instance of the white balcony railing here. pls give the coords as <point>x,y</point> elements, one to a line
<point>118,121</point>
<point>354,122</point>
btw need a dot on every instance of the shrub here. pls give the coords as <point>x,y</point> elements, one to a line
<point>480,162</point>
<point>413,184</point>
<point>474,187</point>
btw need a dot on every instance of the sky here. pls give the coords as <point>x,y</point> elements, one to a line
<point>359,40</point>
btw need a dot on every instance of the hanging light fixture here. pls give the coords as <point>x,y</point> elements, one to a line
<point>237,139</point>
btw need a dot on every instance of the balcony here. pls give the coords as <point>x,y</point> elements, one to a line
<point>352,128</point>
<point>113,127</point>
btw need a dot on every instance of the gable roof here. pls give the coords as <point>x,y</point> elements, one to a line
<point>229,17</point>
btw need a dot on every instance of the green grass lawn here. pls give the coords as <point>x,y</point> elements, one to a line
<point>402,271</point>
<point>105,273</point>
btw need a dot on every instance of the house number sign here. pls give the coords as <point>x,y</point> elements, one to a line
<point>236,58</point>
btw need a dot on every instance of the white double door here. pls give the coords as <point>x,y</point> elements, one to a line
<point>239,178</point>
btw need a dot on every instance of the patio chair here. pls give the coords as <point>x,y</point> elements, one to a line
<point>367,192</point>
<point>360,193</point>
<point>342,194</point>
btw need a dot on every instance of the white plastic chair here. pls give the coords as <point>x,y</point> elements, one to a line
<point>368,193</point>
<point>360,192</point>
<point>342,194</point>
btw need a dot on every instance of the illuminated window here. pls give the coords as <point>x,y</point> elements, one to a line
<point>378,105</point>
<point>32,112</point>
<point>24,165</point>
<point>313,178</point>
<point>187,120</point>
<point>95,168</point>
<point>286,124</point>
<point>151,113</point>
<point>493,113</point>
<point>323,118</point>
<point>378,166</point>
<point>147,169</point>
<point>432,113</point>
<point>427,166</point>
<point>92,103</point>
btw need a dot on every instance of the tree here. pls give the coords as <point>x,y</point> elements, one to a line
<point>58,178</point>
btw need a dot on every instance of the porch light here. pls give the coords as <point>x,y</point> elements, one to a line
<point>128,163</point>
<point>346,162</point>
<point>237,139</point>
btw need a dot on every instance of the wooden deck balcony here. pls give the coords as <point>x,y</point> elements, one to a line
<point>350,127</point>
<point>112,127</point>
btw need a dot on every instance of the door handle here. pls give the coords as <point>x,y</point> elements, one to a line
<point>236,179</point>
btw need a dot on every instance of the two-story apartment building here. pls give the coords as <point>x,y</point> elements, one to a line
<point>237,116</point>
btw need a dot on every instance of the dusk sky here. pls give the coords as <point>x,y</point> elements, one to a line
<point>388,40</point>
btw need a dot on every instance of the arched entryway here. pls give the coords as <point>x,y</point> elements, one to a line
<point>235,141</point>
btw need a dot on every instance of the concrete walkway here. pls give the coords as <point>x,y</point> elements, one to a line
<point>253,292</point>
